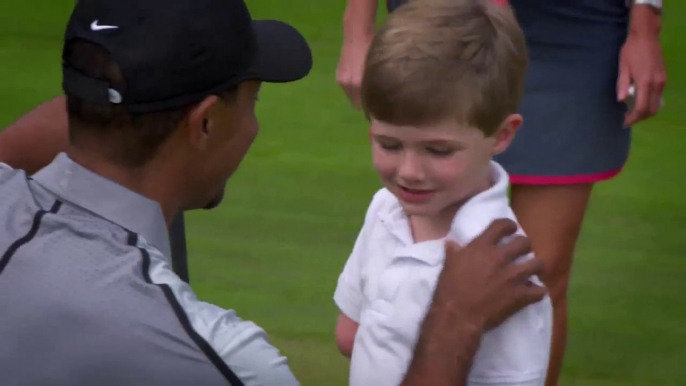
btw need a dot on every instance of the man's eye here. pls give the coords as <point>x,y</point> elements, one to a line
<point>440,152</point>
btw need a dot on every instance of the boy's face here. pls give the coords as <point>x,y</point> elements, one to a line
<point>432,168</point>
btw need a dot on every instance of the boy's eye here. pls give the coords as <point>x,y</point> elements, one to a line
<point>440,152</point>
<point>390,146</point>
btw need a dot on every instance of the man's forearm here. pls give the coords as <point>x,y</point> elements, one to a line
<point>445,350</point>
<point>35,139</point>
<point>359,19</point>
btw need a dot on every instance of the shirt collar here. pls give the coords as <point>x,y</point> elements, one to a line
<point>482,209</point>
<point>79,186</point>
<point>470,220</point>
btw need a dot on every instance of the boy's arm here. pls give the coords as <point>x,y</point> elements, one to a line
<point>35,139</point>
<point>358,32</point>
<point>346,329</point>
<point>349,295</point>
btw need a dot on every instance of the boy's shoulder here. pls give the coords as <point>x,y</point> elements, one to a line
<point>484,208</point>
<point>383,201</point>
<point>383,198</point>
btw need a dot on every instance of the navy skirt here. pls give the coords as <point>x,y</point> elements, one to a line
<point>573,125</point>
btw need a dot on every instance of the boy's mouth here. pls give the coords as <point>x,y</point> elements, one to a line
<point>415,195</point>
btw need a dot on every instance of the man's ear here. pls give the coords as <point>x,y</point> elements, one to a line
<point>506,133</point>
<point>200,124</point>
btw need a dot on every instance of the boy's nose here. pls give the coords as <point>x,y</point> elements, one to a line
<point>410,170</point>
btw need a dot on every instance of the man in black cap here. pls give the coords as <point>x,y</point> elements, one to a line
<point>161,104</point>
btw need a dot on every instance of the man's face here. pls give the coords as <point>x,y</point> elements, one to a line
<point>227,130</point>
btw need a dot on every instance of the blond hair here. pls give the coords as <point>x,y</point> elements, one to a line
<point>434,60</point>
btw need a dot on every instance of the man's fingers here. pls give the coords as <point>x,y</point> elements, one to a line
<point>498,230</point>
<point>451,249</point>
<point>523,295</point>
<point>516,248</point>
<point>521,273</point>
<point>528,295</point>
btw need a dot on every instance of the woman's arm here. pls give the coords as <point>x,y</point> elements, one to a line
<point>359,23</point>
<point>642,63</point>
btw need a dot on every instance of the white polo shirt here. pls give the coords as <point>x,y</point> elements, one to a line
<point>387,286</point>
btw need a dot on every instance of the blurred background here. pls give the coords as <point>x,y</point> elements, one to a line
<point>274,249</point>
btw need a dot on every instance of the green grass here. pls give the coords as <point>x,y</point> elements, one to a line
<point>273,251</point>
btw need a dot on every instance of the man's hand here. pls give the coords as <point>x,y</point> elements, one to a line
<point>480,286</point>
<point>481,281</point>
<point>351,67</point>
<point>641,62</point>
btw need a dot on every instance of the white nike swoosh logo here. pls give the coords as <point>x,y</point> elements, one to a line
<point>96,27</point>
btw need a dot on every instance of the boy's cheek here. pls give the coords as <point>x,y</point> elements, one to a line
<point>383,164</point>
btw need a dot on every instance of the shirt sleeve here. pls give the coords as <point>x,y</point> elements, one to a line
<point>237,347</point>
<point>349,296</point>
<point>6,171</point>
<point>517,351</point>
<point>245,349</point>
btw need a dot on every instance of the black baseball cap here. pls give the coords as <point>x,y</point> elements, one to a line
<point>176,52</point>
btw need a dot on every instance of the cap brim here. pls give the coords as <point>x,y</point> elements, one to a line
<point>283,54</point>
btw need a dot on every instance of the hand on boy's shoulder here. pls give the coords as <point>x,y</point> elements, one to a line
<point>479,279</point>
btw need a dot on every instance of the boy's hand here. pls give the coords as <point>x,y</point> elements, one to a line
<point>481,282</point>
<point>346,329</point>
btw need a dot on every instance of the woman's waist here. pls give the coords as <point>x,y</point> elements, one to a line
<point>581,23</point>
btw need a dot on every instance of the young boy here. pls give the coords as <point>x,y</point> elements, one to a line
<point>442,85</point>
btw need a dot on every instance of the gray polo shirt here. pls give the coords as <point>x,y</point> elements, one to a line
<point>88,297</point>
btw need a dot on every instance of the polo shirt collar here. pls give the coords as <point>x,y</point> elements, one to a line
<point>477,213</point>
<point>470,220</point>
<point>77,185</point>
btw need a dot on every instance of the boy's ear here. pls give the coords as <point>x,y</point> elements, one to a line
<point>506,133</point>
<point>200,123</point>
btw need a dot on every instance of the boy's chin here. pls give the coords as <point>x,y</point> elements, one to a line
<point>429,209</point>
<point>419,210</point>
